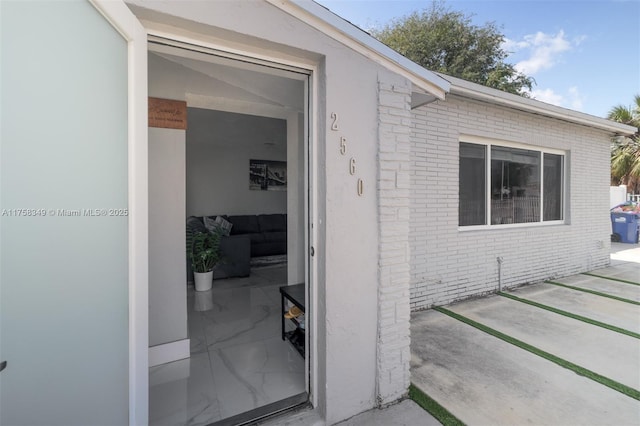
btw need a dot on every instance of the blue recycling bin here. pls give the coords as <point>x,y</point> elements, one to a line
<point>626,225</point>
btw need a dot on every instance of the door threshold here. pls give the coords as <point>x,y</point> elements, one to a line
<point>261,413</point>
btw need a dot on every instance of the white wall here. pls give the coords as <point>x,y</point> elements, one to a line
<point>167,262</point>
<point>617,195</point>
<point>394,190</point>
<point>448,264</point>
<point>296,169</point>
<point>219,147</point>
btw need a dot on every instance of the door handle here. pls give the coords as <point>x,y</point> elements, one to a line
<point>3,365</point>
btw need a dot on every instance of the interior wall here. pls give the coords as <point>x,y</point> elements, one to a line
<point>167,261</point>
<point>219,147</point>
<point>295,200</point>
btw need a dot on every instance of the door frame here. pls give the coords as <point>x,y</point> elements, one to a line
<point>174,38</point>
<point>125,22</point>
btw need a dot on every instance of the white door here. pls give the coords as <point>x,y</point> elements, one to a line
<point>73,205</point>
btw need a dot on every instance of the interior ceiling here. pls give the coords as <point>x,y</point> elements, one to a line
<point>228,129</point>
<point>241,83</point>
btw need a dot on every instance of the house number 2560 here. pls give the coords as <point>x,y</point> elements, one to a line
<point>343,151</point>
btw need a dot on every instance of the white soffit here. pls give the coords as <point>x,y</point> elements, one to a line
<point>322,19</point>
<point>498,97</point>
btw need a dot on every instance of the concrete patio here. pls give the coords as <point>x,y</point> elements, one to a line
<point>483,380</point>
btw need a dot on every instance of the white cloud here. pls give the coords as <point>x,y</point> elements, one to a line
<point>576,99</point>
<point>548,96</point>
<point>543,50</point>
<point>512,46</point>
<point>571,99</point>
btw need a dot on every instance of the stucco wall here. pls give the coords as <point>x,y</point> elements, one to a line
<point>448,264</point>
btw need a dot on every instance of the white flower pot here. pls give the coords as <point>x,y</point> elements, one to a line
<point>203,280</point>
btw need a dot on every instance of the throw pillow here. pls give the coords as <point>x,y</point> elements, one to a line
<point>210,224</point>
<point>224,225</point>
<point>219,224</point>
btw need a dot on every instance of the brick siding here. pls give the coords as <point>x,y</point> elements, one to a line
<point>394,187</point>
<point>448,264</point>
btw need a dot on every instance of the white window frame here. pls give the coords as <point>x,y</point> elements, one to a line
<point>488,143</point>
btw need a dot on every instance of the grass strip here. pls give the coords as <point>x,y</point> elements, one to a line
<point>432,407</point>
<point>610,278</point>
<point>597,293</point>
<point>570,315</point>
<point>629,391</point>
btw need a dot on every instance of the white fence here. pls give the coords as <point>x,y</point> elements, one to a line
<point>618,195</point>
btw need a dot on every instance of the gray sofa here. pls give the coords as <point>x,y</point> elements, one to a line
<point>251,236</point>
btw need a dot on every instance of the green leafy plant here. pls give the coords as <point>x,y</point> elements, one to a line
<point>205,251</point>
<point>447,41</point>
<point>625,150</point>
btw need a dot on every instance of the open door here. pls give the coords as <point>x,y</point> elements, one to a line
<point>242,160</point>
<point>73,257</point>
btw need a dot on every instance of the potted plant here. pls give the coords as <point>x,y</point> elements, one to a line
<point>205,255</point>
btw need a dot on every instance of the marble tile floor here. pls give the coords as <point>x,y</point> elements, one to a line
<point>238,360</point>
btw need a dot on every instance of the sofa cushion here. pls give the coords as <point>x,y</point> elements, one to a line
<point>269,248</point>
<point>256,238</point>
<point>272,222</point>
<point>236,257</point>
<point>244,224</point>
<point>270,237</point>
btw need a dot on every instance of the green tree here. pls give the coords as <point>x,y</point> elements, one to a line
<point>625,151</point>
<point>446,41</point>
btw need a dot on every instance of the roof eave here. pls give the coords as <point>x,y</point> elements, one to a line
<point>348,34</point>
<point>476,91</point>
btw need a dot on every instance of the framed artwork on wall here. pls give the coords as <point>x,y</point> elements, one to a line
<point>265,175</point>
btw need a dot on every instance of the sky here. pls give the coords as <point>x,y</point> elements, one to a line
<point>583,54</point>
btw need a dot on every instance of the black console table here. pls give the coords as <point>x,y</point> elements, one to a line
<point>296,295</point>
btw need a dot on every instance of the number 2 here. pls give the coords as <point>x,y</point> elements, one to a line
<point>334,125</point>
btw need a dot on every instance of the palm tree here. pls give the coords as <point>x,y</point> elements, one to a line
<point>625,151</point>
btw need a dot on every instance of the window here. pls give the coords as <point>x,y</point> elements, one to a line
<point>502,185</point>
<point>473,161</point>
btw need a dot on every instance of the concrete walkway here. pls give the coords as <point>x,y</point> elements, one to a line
<point>405,413</point>
<point>484,380</point>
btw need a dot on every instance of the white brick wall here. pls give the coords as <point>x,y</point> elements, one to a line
<point>448,264</point>
<point>394,186</point>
